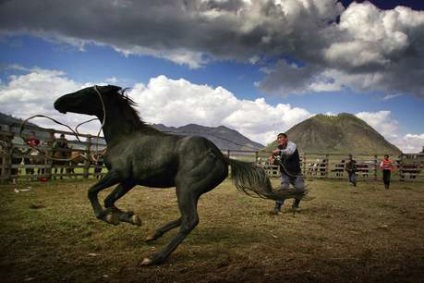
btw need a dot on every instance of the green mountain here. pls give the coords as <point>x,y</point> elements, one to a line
<point>344,133</point>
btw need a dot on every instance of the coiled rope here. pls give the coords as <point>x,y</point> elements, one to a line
<point>75,132</point>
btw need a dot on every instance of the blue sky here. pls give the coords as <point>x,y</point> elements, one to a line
<point>258,67</point>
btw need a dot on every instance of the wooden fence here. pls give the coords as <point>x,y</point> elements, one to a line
<point>15,164</point>
<point>409,167</point>
<point>21,162</point>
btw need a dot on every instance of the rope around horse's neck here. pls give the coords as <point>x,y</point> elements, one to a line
<point>75,132</point>
<point>97,156</point>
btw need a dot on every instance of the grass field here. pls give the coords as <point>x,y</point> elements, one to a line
<point>345,234</point>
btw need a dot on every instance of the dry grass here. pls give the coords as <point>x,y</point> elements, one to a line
<point>346,234</point>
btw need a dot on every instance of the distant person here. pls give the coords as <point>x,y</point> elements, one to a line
<point>61,155</point>
<point>62,142</point>
<point>32,140</point>
<point>51,140</point>
<point>288,158</point>
<point>16,159</point>
<point>350,168</point>
<point>387,167</point>
<point>61,147</point>
<point>50,151</point>
<point>97,159</point>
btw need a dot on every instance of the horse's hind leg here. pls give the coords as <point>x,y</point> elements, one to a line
<point>187,203</point>
<point>117,193</point>
<point>162,230</point>
<point>196,179</point>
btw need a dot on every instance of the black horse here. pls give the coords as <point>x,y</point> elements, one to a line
<point>138,154</point>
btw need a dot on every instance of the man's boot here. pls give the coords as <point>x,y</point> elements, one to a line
<point>295,205</point>
<point>277,209</point>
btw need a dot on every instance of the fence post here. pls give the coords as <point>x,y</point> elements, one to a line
<point>403,169</point>
<point>6,145</point>
<point>327,164</point>
<point>87,160</point>
<point>375,167</point>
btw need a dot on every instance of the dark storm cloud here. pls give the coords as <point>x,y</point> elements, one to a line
<point>360,47</point>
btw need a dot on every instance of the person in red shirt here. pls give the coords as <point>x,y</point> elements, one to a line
<point>387,167</point>
<point>32,140</point>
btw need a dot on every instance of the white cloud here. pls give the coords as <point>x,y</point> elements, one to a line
<point>381,121</point>
<point>177,103</point>
<point>33,93</point>
<point>412,143</point>
<point>378,47</point>
<point>388,97</point>
<point>387,126</point>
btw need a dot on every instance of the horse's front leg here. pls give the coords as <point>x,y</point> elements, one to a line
<point>109,214</point>
<point>118,192</point>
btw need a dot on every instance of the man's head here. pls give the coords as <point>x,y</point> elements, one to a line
<point>282,138</point>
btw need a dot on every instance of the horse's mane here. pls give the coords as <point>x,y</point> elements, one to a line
<point>127,106</point>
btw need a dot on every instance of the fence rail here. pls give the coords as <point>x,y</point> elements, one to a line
<point>16,164</point>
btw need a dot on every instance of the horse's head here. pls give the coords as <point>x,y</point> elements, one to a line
<point>86,101</point>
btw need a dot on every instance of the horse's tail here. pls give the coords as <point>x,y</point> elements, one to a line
<point>254,181</point>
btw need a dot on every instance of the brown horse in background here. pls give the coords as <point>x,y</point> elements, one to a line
<point>76,158</point>
<point>65,159</point>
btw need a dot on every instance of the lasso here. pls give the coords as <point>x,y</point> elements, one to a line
<point>75,132</point>
<point>288,173</point>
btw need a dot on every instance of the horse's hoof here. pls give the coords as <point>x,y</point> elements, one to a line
<point>146,262</point>
<point>136,220</point>
<point>112,219</point>
<point>150,238</point>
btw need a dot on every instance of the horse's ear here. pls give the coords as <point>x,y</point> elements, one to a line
<point>124,90</point>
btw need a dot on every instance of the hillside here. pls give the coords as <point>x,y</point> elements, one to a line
<point>344,133</point>
<point>12,121</point>
<point>221,136</point>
